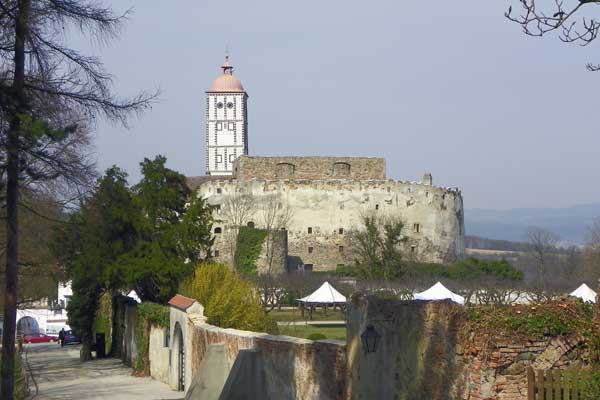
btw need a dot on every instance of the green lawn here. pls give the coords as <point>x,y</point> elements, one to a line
<point>318,315</point>
<point>303,331</point>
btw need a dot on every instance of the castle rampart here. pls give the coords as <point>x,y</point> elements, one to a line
<point>325,212</point>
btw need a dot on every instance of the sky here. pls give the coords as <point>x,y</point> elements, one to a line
<point>452,88</point>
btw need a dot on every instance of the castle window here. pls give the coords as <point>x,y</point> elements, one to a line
<point>310,250</point>
<point>377,206</point>
<point>231,158</point>
<point>308,267</point>
<point>341,231</point>
<point>309,229</point>
<point>217,253</point>
<point>219,126</point>
<point>416,228</point>
<point>219,191</point>
<point>341,169</point>
<point>219,105</point>
<point>413,248</point>
<point>229,105</point>
<point>219,158</point>
<point>250,224</point>
<point>231,126</point>
<point>285,170</point>
<point>218,229</point>
<point>341,249</point>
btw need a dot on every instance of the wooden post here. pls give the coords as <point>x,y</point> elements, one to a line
<point>539,384</point>
<point>558,384</point>
<point>567,387</point>
<point>530,384</point>
<point>548,384</point>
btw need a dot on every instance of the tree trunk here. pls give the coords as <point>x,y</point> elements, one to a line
<point>12,203</point>
<point>85,354</point>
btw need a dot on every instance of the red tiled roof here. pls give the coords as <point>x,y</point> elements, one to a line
<point>181,302</point>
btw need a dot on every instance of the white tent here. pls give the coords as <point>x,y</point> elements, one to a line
<point>439,292</point>
<point>584,293</point>
<point>326,294</point>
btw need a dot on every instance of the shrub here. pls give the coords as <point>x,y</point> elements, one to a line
<point>229,301</point>
<point>316,336</point>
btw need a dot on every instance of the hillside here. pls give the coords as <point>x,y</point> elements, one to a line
<point>569,223</point>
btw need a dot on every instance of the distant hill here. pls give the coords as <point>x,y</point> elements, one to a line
<point>569,223</point>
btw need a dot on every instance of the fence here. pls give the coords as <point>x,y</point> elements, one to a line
<point>553,385</point>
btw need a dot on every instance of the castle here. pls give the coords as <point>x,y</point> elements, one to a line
<point>314,203</point>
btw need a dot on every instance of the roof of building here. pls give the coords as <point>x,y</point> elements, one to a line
<point>439,292</point>
<point>226,83</point>
<point>181,302</point>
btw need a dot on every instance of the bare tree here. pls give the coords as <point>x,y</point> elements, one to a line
<point>538,18</point>
<point>274,215</point>
<point>541,246</point>
<point>44,87</point>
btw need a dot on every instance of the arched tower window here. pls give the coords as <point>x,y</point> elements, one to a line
<point>341,169</point>
<point>285,170</point>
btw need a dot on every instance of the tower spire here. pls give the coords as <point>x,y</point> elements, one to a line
<point>227,67</point>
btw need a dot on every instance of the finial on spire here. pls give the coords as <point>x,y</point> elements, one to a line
<point>227,67</point>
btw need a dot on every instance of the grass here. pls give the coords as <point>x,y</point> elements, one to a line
<point>318,315</point>
<point>303,331</point>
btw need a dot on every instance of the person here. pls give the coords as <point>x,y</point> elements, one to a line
<point>61,337</point>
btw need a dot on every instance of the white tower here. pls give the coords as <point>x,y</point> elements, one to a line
<point>226,122</point>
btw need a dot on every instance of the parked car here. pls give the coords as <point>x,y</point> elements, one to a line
<point>38,338</point>
<point>70,338</point>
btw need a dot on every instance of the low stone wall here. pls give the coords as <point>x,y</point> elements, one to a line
<point>499,372</point>
<point>295,368</point>
<point>158,354</point>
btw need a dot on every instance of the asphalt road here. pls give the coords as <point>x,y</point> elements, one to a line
<point>58,374</point>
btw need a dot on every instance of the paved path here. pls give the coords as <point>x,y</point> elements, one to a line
<point>313,323</point>
<point>59,374</point>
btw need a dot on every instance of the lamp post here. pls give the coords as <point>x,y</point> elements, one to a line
<point>370,339</point>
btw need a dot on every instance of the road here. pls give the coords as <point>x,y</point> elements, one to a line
<point>59,374</point>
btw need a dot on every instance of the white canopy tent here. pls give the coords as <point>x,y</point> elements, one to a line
<point>584,293</point>
<point>326,294</point>
<point>439,292</point>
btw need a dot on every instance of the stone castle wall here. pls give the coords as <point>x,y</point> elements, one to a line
<point>313,168</point>
<point>325,213</point>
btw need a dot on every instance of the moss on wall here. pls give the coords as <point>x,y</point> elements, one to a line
<point>148,314</point>
<point>248,249</point>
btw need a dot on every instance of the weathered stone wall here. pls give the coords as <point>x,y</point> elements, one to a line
<point>295,368</point>
<point>415,357</point>
<point>158,354</point>
<point>325,213</point>
<point>313,168</point>
<point>428,350</point>
<point>496,369</point>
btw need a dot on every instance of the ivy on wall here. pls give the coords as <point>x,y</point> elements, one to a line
<point>148,314</point>
<point>103,320</point>
<point>248,249</point>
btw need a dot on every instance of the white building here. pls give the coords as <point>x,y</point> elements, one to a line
<point>226,122</point>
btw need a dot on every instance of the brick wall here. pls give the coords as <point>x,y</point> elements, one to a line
<point>299,168</point>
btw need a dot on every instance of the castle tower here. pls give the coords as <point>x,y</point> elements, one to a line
<point>226,122</point>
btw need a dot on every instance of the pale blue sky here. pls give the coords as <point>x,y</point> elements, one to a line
<point>449,88</point>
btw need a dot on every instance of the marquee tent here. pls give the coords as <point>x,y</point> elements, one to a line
<point>326,294</point>
<point>439,292</point>
<point>584,293</point>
